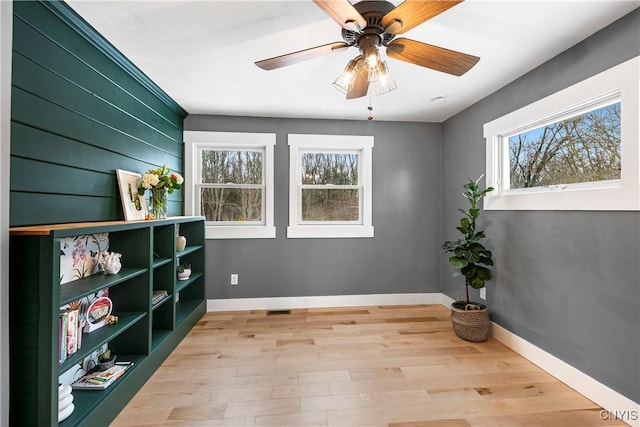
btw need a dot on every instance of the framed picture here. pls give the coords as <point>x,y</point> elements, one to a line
<point>133,204</point>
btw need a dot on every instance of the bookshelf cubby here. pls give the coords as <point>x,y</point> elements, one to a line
<point>146,333</point>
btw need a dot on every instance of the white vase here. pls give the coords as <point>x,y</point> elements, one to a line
<point>181,243</point>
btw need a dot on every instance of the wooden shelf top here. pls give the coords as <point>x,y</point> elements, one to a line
<point>47,229</point>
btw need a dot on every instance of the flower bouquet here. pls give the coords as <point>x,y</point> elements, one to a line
<point>161,182</point>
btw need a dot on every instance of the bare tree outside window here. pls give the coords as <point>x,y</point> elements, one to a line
<point>232,185</point>
<point>330,186</point>
<point>584,148</point>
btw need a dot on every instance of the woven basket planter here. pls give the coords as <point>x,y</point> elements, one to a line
<point>470,321</point>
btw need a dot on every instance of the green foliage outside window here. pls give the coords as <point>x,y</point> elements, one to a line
<point>330,190</point>
<point>234,191</point>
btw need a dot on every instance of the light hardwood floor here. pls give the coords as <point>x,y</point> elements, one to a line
<point>398,366</point>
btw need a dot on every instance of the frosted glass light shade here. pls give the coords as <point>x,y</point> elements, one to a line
<point>384,81</point>
<point>345,80</point>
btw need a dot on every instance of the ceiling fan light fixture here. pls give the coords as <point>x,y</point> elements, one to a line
<point>373,61</point>
<point>368,45</point>
<point>371,58</point>
<point>369,25</point>
<point>345,80</point>
<point>384,81</point>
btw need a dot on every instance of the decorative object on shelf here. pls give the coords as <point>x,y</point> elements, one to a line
<point>158,201</point>
<point>65,402</point>
<point>468,258</point>
<point>134,204</point>
<point>184,271</point>
<point>181,243</point>
<point>109,262</point>
<point>106,360</point>
<point>160,182</point>
<point>98,312</point>
<point>112,319</point>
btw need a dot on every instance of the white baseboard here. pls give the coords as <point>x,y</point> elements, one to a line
<point>616,405</point>
<point>446,300</point>
<point>283,303</point>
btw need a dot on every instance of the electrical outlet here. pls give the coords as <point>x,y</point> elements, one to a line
<point>234,279</point>
<point>483,293</point>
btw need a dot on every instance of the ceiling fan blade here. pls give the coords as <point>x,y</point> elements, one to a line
<point>360,85</point>
<point>343,13</point>
<point>299,56</point>
<point>414,12</point>
<point>430,56</point>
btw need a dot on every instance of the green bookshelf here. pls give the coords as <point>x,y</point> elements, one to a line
<point>146,333</point>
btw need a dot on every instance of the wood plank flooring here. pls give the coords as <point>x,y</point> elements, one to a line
<point>398,366</point>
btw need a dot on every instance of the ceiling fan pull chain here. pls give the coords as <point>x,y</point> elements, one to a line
<point>370,108</point>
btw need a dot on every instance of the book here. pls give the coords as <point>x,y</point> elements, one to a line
<point>72,332</point>
<point>101,379</point>
<point>62,337</point>
<point>158,296</point>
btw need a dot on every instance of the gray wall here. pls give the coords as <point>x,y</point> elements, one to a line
<point>567,282</point>
<point>404,255</point>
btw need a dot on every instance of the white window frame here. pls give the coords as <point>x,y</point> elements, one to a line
<point>195,142</point>
<point>299,143</point>
<point>617,83</point>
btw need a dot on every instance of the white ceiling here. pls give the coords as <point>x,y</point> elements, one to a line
<point>202,53</point>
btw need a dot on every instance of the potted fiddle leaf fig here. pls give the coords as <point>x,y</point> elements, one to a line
<point>470,258</point>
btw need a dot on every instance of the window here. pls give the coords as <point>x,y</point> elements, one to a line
<point>330,186</point>
<point>574,150</point>
<point>582,148</point>
<point>230,182</point>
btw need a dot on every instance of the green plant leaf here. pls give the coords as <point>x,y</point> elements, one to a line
<point>483,273</point>
<point>484,260</point>
<point>477,283</point>
<point>469,271</point>
<point>465,213</point>
<point>459,252</point>
<point>457,263</point>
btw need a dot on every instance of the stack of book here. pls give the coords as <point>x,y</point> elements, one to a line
<point>101,379</point>
<point>69,334</point>
<point>158,296</point>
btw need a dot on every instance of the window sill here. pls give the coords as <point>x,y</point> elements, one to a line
<point>240,232</point>
<point>593,199</point>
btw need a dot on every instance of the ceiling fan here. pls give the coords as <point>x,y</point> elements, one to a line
<point>370,24</point>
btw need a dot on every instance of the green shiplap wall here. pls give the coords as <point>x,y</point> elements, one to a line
<point>79,111</point>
